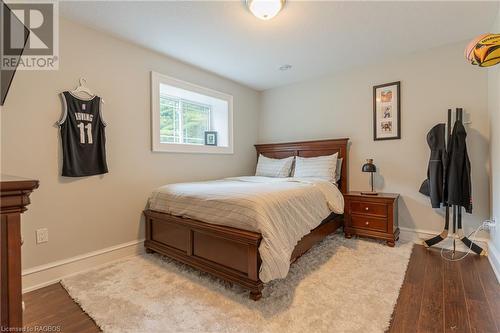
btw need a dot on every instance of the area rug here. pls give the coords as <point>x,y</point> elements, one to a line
<point>340,285</point>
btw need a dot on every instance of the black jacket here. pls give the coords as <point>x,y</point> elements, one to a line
<point>433,186</point>
<point>458,187</point>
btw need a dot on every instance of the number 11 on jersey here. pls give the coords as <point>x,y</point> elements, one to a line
<point>82,128</point>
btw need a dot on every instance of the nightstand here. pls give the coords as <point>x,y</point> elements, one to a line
<point>373,216</point>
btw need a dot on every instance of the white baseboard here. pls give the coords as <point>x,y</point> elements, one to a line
<point>44,275</point>
<point>419,235</point>
<point>494,258</point>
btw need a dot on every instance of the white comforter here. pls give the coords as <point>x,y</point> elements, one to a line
<point>283,210</point>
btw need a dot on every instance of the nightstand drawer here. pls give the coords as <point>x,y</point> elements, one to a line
<point>365,222</point>
<point>370,208</point>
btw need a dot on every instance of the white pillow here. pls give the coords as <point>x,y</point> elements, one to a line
<point>273,167</point>
<point>316,167</point>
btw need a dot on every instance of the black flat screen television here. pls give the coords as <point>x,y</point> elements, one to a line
<point>7,75</point>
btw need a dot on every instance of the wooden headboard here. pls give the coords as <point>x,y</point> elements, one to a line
<point>310,149</point>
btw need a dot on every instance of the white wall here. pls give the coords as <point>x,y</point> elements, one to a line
<point>494,107</point>
<point>92,213</point>
<point>341,106</point>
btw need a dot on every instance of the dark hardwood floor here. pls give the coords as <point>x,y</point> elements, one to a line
<point>52,306</point>
<point>442,296</point>
<point>436,296</point>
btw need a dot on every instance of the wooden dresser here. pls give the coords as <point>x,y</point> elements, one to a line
<point>14,198</point>
<point>373,216</point>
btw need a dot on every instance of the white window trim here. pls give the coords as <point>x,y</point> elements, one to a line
<point>157,146</point>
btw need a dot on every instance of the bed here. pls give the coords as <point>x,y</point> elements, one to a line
<point>232,253</point>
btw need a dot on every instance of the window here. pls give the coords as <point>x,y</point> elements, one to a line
<point>183,121</point>
<point>183,115</point>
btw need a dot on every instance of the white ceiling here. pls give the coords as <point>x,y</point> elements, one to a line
<point>317,38</point>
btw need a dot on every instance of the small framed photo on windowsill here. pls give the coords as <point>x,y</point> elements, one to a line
<point>387,111</point>
<point>210,138</point>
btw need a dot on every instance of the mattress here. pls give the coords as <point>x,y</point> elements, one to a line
<point>283,210</point>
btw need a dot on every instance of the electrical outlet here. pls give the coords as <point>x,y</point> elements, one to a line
<point>42,235</point>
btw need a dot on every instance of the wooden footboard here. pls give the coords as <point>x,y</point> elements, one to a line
<point>228,253</point>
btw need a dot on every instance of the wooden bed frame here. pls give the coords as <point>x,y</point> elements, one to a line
<point>230,253</point>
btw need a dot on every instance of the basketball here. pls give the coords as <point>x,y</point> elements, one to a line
<point>484,50</point>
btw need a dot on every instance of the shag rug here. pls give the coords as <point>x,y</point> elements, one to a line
<point>340,285</point>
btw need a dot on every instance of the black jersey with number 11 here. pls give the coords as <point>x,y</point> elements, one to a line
<point>82,136</point>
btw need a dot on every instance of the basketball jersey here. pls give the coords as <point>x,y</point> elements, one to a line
<point>82,136</point>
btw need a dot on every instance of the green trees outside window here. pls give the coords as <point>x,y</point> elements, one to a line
<point>183,121</point>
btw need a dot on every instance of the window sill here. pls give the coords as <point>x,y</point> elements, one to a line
<point>190,149</point>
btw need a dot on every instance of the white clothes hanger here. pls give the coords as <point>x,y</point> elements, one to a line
<point>82,88</point>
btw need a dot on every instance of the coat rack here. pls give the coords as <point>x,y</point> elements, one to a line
<point>456,209</point>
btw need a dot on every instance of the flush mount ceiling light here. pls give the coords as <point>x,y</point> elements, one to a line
<point>285,67</point>
<point>265,9</point>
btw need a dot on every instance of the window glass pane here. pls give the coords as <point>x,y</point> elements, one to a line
<point>169,122</point>
<point>195,121</point>
<point>183,121</point>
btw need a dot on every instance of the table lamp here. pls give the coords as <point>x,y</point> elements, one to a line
<point>371,168</point>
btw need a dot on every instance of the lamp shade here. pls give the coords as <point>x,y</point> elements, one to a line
<point>369,166</point>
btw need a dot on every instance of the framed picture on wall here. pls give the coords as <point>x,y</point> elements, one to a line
<point>210,138</point>
<point>387,111</point>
